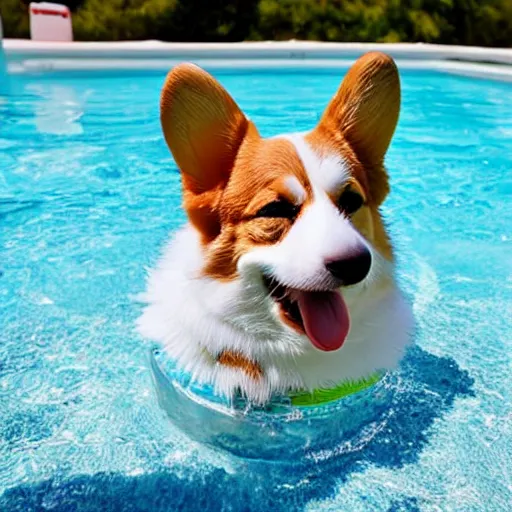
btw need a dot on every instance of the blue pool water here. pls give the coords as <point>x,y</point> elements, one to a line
<point>89,193</point>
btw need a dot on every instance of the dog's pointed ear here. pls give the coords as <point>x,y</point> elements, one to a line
<point>366,106</point>
<point>204,129</point>
<point>202,125</point>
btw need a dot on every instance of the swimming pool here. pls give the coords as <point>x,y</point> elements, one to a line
<point>88,195</point>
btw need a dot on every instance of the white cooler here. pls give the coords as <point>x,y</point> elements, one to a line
<point>50,22</point>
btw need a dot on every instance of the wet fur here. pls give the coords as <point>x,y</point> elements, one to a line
<point>206,302</point>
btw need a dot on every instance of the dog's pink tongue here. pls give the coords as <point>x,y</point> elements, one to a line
<point>326,318</point>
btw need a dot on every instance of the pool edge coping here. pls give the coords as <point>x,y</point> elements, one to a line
<point>26,56</point>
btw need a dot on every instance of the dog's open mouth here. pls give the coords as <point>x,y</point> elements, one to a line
<point>321,315</point>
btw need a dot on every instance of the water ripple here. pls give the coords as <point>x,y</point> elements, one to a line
<point>89,193</point>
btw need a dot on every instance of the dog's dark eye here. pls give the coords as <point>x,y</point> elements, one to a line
<point>278,209</point>
<point>350,201</point>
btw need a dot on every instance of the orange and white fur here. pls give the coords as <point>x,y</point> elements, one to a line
<point>282,279</point>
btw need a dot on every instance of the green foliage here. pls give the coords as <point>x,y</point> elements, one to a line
<point>475,22</point>
<point>14,16</point>
<point>168,20</point>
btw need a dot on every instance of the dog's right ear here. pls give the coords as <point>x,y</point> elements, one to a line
<point>364,111</point>
<point>204,129</point>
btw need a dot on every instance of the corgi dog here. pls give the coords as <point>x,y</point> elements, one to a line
<point>283,278</point>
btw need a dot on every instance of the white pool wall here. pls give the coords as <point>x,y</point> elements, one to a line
<point>25,56</point>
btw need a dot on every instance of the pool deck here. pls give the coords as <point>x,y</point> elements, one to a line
<point>25,56</point>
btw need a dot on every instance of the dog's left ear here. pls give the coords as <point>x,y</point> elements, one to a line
<point>365,111</point>
<point>202,125</point>
<point>204,129</point>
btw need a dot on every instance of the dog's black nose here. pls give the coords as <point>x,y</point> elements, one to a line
<point>352,269</point>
